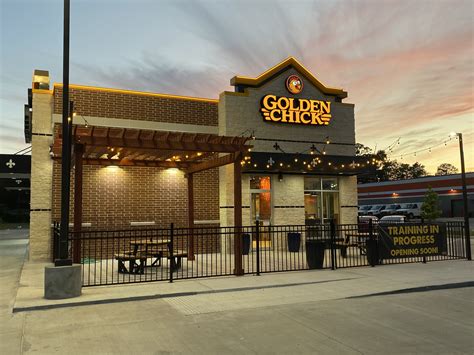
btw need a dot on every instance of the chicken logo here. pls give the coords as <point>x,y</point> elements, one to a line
<point>294,84</point>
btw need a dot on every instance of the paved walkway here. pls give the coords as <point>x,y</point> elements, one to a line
<point>327,312</point>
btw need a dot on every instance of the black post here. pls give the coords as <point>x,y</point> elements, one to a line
<point>66,150</point>
<point>171,262</point>
<point>333,244</point>
<point>464,198</point>
<point>371,232</point>
<point>370,246</point>
<point>70,122</point>
<point>257,239</point>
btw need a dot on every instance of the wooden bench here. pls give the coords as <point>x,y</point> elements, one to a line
<point>134,266</point>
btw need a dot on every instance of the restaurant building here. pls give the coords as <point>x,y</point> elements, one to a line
<point>292,136</point>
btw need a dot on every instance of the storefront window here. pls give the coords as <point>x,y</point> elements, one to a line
<point>312,183</point>
<point>321,200</point>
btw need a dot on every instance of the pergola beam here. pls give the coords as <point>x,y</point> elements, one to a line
<point>212,163</point>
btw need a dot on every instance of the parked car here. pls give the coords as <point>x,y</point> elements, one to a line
<point>375,210</point>
<point>411,210</point>
<point>366,219</point>
<point>392,219</point>
<point>363,210</point>
<point>364,223</point>
<point>390,209</point>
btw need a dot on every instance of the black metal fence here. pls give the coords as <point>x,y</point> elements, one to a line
<point>159,254</point>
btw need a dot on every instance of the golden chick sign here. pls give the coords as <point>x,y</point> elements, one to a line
<point>297,111</point>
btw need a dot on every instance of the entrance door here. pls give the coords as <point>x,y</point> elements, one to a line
<point>261,211</point>
<point>261,208</point>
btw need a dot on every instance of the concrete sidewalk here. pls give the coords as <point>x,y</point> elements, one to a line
<point>338,284</point>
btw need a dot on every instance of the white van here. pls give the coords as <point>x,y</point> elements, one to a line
<point>410,210</point>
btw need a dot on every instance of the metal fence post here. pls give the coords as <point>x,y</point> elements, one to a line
<point>371,243</point>
<point>171,246</point>
<point>333,244</point>
<point>257,239</point>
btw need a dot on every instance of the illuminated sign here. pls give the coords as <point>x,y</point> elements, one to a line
<point>294,84</point>
<point>296,111</point>
<point>411,240</point>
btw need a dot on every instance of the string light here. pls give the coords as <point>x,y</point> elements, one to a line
<point>428,149</point>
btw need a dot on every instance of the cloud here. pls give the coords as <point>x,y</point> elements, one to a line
<point>407,65</point>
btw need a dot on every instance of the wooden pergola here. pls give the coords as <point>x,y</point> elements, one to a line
<point>190,152</point>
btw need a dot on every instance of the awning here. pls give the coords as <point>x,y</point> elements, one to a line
<point>317,164</point>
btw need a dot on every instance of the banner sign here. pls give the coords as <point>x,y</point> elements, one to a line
<point>411,240</point>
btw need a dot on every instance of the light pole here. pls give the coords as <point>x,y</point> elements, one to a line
<point>63,257</point>
<point>464,197</point>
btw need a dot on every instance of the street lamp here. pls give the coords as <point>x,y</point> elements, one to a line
<point>464,196</point>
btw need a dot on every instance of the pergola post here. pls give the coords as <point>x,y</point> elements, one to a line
<point>238,215</point>
<point>190,216</point>
<point>78,152</point>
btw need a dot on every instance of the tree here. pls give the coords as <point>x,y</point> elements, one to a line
<point>430,208</point>
<point>446,169</point>
<point>388,169</point>
<point>416,170</point>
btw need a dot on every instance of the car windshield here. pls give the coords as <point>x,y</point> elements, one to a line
<point>376,207</point>
<point>366,208</point>
<point>392,207</point>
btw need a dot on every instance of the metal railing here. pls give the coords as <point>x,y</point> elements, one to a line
<point>167,254</point>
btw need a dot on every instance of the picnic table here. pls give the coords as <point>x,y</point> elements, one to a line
<point>355,239</point>
<point>143,249</point>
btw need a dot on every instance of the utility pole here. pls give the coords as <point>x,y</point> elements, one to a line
<point>465,201</point>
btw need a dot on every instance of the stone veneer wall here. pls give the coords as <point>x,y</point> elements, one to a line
<point>348,199</point>
<point>41,178</point>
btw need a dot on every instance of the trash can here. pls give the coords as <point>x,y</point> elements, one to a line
<point>315,253</point>
<point>245,244</point>
<point>372,252</point>
<point>294,240</point>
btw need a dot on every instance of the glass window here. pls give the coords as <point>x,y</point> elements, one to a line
<point>312,206</point>
<point>312,183</point>
<point>260,182</point>
<point>321,200</point>
<point>330,207</point>
<point>260,199</point>
<point>330,184</point>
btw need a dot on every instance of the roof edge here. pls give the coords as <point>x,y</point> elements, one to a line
<point>132,92</point>
<point>290,61</point>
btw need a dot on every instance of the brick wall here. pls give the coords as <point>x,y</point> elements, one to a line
<point>103,103</point>
<point>113,197</point>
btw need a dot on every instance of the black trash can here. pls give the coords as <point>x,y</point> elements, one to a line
<point>245,244</point>
<point>372,252</point>
<point>294,240</point>
<point>315,253</point>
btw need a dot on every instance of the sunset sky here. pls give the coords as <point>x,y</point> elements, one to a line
<point>408,66</point>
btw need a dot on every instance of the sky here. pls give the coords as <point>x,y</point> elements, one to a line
<point>408,66</point>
